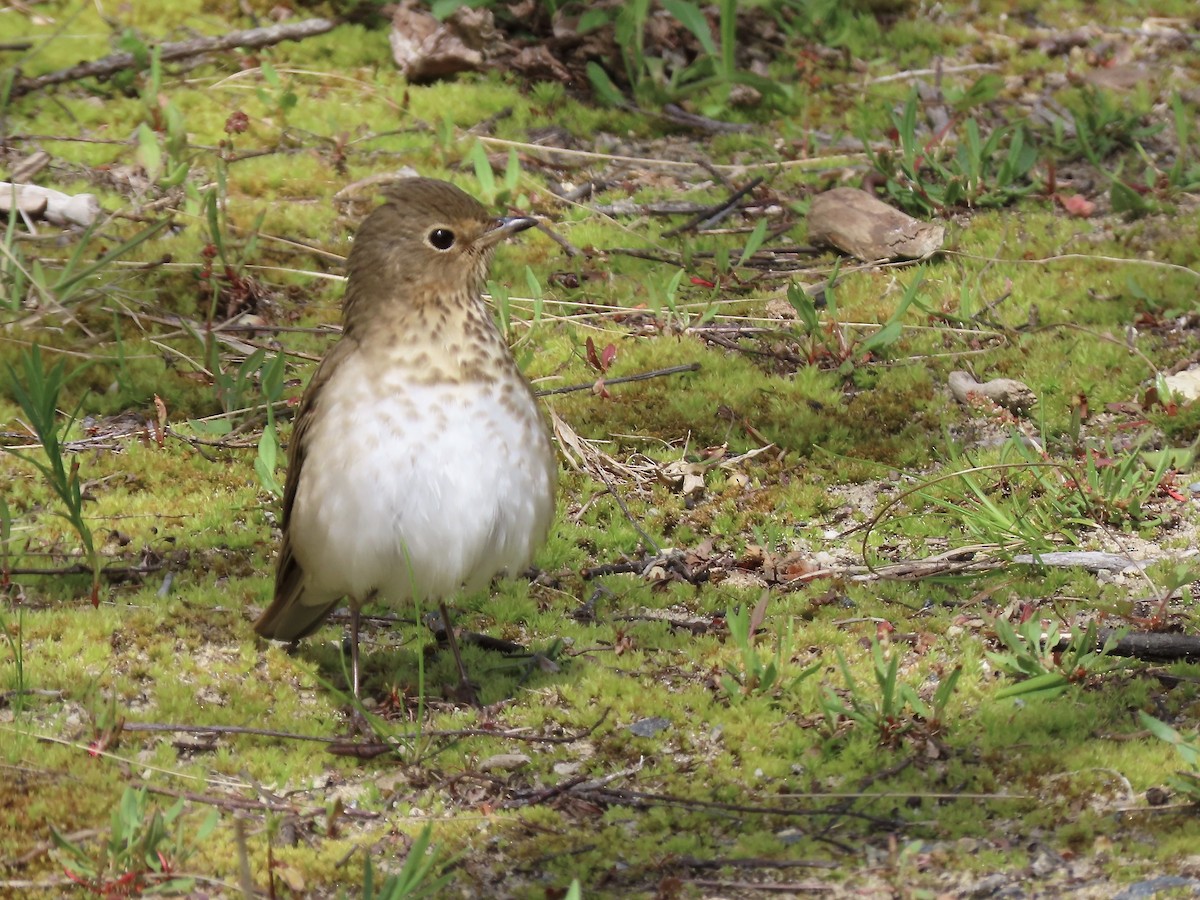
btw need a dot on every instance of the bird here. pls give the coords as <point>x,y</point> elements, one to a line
<point>419,464</point>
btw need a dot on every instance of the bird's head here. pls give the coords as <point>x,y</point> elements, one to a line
<point>430,242</point>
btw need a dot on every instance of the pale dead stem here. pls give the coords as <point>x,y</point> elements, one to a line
<point>586,457</point>
<point>325,79</point>
<point>910,74</point>
<point>176,50</point>
<point>945,562</point>
<point>1061,257</point>
<point>624,379</point>
<point>129,763</point>
<point>815,164</point>
<point>213,780</point>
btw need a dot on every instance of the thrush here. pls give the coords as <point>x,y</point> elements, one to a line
<point>419,464</point>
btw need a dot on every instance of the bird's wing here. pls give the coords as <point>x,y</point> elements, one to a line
<point>289,617</point>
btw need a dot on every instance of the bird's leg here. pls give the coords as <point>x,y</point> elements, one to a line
<point>466,690</point>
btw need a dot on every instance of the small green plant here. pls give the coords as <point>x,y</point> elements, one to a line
<point>1184,174</point>
<point>495,194</point>
<point>1116,489</point>
<point>830,23</point>
<point>825,340</point>
<point>243,391</point>
<point>1187,782</point>
<point>5,541</point>
<point>754,241</point>
<point>897,709</point>
<point>423,874</point>
<point>242,387</point>
<point>15,274</point>
<point>536,294</point>
<point>271,383</point>
<point>167,164</point>
<point>712,73</point>
<point>266,461</point>
<point>1136,196</point>
<point>1102,124</point>
<point>141,853</point>
<point>1003,511</point>
<point>752,674</point>
<point>668,297</point>
<point>1111,488</point>
<point>502,304</point>
<point>126,80</point>
<point>230,280</point>
<point>37,391</point>
<point>277,96</point>
<point>16,645</point>
<point>1045,670</point>
<point>1030,503</point>
<point>924,177</point>
<point>26,282</point>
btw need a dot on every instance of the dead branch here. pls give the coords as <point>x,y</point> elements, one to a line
<point>171,50</point>
<point>109,572</point>
<point>672,112</point>
<point>625,379</point>
<point>661,208</point>
<point>241,803</point>
<point>370,749</point>
<point>713,214</point>
<point>692,862</point>
<point>1151,647</point>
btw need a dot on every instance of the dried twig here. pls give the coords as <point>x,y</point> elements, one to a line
<point>370,749</point>
<point>116,62</point>
<point>672,112</point>
<point>709,217</point>
<point>148,568</point>
<point>1151,646</point>
<point>661,208</point>
<point>625,379</point>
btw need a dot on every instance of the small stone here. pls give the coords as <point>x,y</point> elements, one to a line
<point>649,727</point>
<point>1157,796</point>
<point>504,762</point>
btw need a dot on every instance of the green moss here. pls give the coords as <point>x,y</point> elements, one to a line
<point>1028,293</point>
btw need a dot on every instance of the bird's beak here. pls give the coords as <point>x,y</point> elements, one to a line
<point>506,226</point>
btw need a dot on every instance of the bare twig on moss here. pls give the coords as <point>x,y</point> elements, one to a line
<point>1151,646</point>
<point>110,572</point>
<point>625,379</point>
<point>673,112</point>
<point>241,803</point>
<point>576,194</point>
<point>714,214</point>
<point>570,249</point>
<point>659,208</point>
<point>370,749</point>
<point>172,50</point>
<point>343,748</point>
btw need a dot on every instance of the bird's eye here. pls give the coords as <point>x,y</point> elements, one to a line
<point>441,238</point>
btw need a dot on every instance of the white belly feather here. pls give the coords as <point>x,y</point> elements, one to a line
<point>418,490</point>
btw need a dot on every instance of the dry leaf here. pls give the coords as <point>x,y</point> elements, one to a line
<point>1075,205</point>
<point>426,49</point>
<point>685,477</point>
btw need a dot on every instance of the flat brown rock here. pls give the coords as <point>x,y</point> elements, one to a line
<point>857,223</point>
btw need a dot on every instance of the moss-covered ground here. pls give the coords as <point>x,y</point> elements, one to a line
<point>640,747</point>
